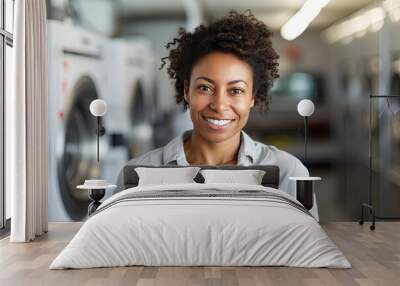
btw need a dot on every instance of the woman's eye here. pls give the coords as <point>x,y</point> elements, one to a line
<point>204,88</point>
<point>237,91</point>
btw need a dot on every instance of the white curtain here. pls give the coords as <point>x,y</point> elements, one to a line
<point>26,127</point>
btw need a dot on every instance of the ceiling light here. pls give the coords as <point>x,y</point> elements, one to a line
<point>302,19</point>
<point>392,7</point>
<point>357,26</point>
<point>376,18</point>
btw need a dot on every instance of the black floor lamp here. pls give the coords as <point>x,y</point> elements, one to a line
<point>369,206</point>
<point>96,187</point>
<point>98,108</point>
<point>304,185</point>
<point>305,108</point>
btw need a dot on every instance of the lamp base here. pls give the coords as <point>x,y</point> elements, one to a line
<point>95,196</point>
<point>304,193</point>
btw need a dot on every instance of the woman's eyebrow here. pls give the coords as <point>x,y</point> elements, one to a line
<point>213,82</point>
<point>206,79</point>
<point>236,81</point>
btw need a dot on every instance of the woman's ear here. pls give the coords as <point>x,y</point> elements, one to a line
<point>252,100</point>
<point>186,90</point>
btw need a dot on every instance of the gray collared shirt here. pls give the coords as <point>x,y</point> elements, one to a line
<point>251,152</point>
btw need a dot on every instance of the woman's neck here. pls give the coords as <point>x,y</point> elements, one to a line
<point>198,151</point>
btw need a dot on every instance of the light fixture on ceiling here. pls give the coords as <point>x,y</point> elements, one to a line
<point>376,18</point>
<point>392,7</point>
<point>357,26</point>
<point>296,25</point>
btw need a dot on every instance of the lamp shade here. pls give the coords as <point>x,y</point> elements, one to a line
<point>305,107</point>
<point>98,107</point>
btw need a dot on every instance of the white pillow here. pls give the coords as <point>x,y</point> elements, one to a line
<point>249,177</point>
<point>162,176</point>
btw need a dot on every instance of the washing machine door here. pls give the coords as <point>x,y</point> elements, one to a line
<point>140,137</point>
<point>76,157</point>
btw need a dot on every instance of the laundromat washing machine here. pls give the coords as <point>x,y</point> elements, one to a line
<point>76,77</point>
<point>131,89</point>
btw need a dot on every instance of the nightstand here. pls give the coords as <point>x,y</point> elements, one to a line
<point>304,190</point>
<point>96,191</point>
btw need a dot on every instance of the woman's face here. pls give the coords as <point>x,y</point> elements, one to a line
<point>220,96</point>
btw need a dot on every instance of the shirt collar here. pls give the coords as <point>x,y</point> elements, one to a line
<point>174,153</point>
<point>247,151</point>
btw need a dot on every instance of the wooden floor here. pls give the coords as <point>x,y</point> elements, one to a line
<point>375,257</point>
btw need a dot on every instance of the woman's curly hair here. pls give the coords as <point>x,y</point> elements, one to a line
<point>241,34</point>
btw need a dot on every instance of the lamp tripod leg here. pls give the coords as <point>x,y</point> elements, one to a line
<point>98,139</point>
<point>361,221</point>
<point>305,138</point>
<point>372,227</point>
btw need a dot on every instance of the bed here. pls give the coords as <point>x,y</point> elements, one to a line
<point>199,224</point>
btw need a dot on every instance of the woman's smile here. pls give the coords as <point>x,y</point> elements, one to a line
<point>218,124</point>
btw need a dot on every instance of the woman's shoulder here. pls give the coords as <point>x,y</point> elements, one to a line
<point>153,157</point>
<point>161,155</point>
<point>288,164</point>
<point>276,151</point>
<point>272,153</point>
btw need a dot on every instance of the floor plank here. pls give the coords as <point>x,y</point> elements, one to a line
<point>375,257</point>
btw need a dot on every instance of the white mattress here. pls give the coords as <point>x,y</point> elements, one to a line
<point>189,230</point>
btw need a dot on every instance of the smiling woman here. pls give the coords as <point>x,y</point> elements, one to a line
<point>220,96</point>
<point>220,72</point>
